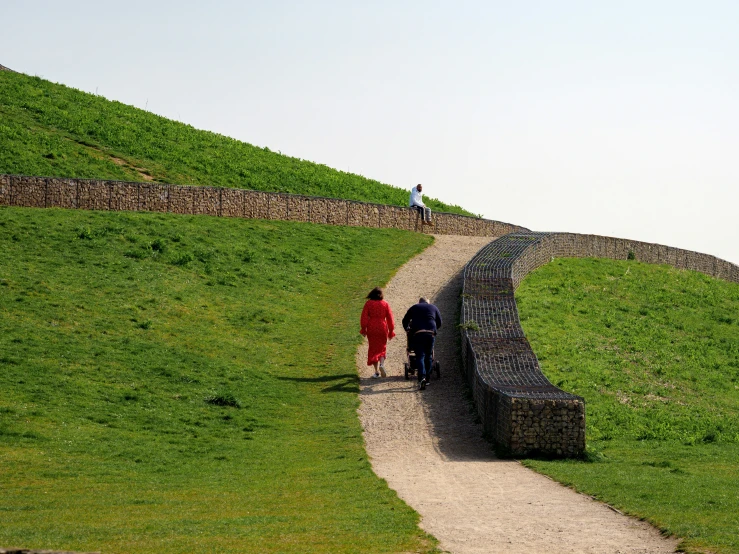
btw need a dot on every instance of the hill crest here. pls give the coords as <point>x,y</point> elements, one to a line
<point>52,129</point>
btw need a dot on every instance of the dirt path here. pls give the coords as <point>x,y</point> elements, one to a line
<point>428,448</point>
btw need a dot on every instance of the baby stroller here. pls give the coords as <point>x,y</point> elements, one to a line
<point>410,362</point>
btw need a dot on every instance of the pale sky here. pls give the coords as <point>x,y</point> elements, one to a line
<point>613,118</point>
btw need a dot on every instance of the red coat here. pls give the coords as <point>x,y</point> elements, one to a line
<point>378,325</point>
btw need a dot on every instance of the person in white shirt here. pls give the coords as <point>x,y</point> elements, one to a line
<point>416,201</point>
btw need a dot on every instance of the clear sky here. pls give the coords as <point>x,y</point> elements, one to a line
<point>614,118</point>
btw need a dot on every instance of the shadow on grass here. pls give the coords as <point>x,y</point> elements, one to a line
<point>348,382</point>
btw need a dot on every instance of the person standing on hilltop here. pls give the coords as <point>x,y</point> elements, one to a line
<point>378,325</point>
<point>416,201</point>
<point>422,321</point>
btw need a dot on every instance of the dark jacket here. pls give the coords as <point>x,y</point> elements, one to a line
<point>422,317</point>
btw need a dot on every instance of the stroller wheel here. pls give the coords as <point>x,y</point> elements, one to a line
<point>407,369</point>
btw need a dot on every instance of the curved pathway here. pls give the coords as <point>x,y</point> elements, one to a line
<point>429,449</point>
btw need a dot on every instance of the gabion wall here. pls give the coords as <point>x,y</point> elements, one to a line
<point>50,192</point>
<point>521,410</point>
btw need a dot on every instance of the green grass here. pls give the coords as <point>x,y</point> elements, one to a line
<point>188,384</point>
<point>49,129</point>
<point>655,353</point>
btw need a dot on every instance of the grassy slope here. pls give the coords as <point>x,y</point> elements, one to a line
<point>106,438</point>
<point>125,341</point>
<point>655,353</point>
<point>52,130</point>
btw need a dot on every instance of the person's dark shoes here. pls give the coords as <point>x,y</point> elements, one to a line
<point>422,385</point>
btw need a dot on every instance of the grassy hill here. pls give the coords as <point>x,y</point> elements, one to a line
<point>53,130</point>
<point>655,353</point>
<point>188,384</point>
<point>183,384</point>
<point>173,383</point>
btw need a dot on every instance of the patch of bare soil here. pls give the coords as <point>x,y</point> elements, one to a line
<point>141,172</point>
<point>429,449</point>
<point>102,155</point>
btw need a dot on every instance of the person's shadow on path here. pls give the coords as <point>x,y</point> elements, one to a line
<point>447,403</point>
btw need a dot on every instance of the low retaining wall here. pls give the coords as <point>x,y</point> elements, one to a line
<point>86,194</point>
<point>521,410</point>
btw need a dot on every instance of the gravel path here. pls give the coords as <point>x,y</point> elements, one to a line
<point>428,448</point>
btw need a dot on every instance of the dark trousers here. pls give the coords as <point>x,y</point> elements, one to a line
<point>424,212</point>
<point>423,345</point>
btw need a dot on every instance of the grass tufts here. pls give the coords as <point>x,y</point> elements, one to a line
<point>223,399</point>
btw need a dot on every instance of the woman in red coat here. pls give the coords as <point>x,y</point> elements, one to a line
<point>378,325</point>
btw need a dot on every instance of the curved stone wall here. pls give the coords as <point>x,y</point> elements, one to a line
<point>51,192</point>
<point>521,410</point>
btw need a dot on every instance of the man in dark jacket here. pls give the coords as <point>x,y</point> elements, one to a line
<point>421,321</point>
